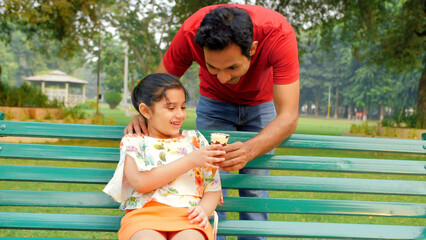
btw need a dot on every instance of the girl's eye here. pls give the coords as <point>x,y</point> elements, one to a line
<point>170,108</point>
<point>183,107</point>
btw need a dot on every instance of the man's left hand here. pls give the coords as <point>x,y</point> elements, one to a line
<point>237,156</point>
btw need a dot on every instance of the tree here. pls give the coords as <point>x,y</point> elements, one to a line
<point>70,23</point>
<point>381,32</point>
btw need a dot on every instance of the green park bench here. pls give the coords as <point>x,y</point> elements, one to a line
<point>373,177</point>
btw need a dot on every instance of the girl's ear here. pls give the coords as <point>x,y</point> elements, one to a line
<point>143,109</point>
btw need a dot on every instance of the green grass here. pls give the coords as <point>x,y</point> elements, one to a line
<point>306,126</point>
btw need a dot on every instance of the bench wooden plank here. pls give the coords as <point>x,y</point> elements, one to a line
<point>61,130</point>
<point>233,181</point>
<point>85,131</point>
<point>231,204</point>
<point>82,222</point>
<point>319,230</point>
<point>339,164</point>
<point>55,174</point>
<point>59,152</point>
<point>285,162</point>
<point>227,227</point>
<point>31,238</point>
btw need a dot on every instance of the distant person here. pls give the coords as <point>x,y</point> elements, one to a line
<point>249,80</point>
<point>165,181</point>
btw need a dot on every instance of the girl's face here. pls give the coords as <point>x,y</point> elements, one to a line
<point>166,117</point>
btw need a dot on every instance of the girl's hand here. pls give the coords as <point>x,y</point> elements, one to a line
<point>208,157</point>
<point>197,214</point>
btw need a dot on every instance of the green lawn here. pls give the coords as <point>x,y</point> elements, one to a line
<point>306,126</point>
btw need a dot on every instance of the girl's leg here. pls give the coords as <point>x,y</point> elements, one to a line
<point>148,234</point>
<point>192,234</point>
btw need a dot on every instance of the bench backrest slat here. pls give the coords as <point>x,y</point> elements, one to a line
<point>107,154</point>
<point>59,221</point>
<point>339,164</point>
<point>59,152</point>
<point>85,131</point>
<point>231,204</point>
<point>233,181</point>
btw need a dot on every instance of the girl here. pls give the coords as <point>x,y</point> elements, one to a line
<point>164,181</point>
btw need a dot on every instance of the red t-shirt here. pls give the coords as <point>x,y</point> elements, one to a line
<point>275,60</point>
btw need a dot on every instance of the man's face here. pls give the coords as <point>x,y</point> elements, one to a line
<point>228,64</point>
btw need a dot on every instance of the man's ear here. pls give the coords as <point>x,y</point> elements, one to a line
<point>144,110</point>
<point>253,48</point>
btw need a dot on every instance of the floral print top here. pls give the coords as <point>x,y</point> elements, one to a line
<point>148,153</point>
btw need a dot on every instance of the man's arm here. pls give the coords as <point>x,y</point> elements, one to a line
<point>286,100</point>
<point>161,68</point>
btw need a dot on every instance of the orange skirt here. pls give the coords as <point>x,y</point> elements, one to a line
<point>159,217</point>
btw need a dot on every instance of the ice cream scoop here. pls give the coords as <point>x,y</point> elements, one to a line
<point>218,138</point>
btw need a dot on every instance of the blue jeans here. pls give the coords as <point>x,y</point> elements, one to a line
<point>214,115</point>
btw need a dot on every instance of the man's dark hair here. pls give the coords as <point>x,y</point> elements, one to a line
<point>223,26</point>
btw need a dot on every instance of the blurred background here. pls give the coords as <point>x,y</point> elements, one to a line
<point>362,63</point>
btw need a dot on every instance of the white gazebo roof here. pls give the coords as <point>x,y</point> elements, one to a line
<point>55,76</point>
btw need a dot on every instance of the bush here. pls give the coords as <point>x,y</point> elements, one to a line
<point>387,122</point>
<point>84,106</point>
<point>24,96</point>
<point>74,112</point>
<point>91,103</point>
<point>113,99</point>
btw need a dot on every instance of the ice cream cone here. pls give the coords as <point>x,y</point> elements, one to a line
<point>218,138</point>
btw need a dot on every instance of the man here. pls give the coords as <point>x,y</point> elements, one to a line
<point>249,80</point>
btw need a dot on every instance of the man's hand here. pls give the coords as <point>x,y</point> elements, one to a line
<point>137,124</point>
<point>237,156</point>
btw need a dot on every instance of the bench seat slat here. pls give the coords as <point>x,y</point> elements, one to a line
<point>85,131</point>
<point>234,181</point>
<point>105,154</point>
<point>232,204</point>
<point>226,227</point>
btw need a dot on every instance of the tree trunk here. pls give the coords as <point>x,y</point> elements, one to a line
<point>0,73</point>
<point>336,110</point>
<point>421,101</point>
<point>382,112</point>
<point>364,115</point>
<point>350,112</point>
<point>316,104</point>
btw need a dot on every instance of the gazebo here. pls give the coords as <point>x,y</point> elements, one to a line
<point>57,85</point>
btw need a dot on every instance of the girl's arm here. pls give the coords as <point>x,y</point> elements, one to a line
<point>205,208</point>
<point>147,181</point>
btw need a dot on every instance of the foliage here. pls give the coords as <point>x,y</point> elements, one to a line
<point>20,58</point>
<point>73,23</point>
<point>112,98</point>
<point>24,96</point>
<point>91,103</point>
<point>363,129</point>
<point>76,112</point>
